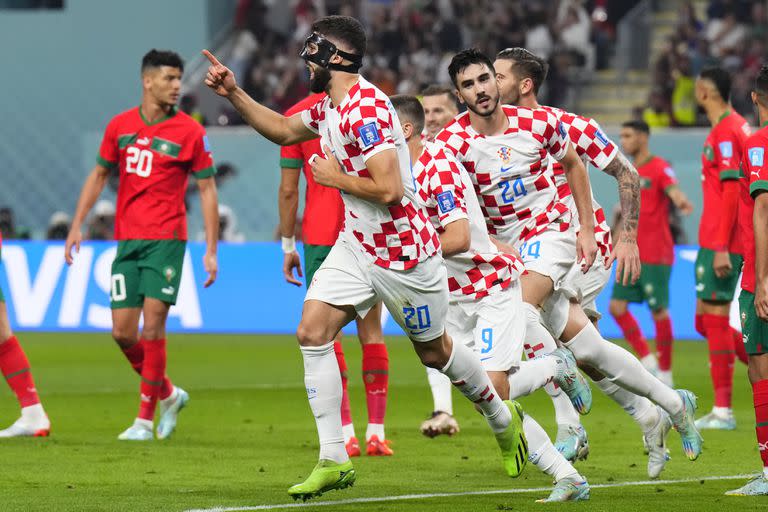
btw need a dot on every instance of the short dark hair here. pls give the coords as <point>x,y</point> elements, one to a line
<point>721,80</point>
<point>761,81</point>
<point>638,125</point>
<point>344,28</point>
<point>156,58</point>
<point>439,90</point>
<point>466,58</point>
<point>409,108</point>
<point>526,65</point>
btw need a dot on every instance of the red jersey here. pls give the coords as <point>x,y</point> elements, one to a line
<point>720,161</point>
<point>154,161</point>
<point>323,207</point>
<point>755,167</point>
<point>654,236</point>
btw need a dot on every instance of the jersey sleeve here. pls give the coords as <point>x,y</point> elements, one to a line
<point>109,151</point>
<point>202,159</point>
<point>291,157</point>
<point>591,142</point>
<point>757,166</point>
<point>311,117</point>
<point>370,126</point>
<point>727,156</point>
<point>447,190</point>
<point>553,132</point>
<point>666,177</point>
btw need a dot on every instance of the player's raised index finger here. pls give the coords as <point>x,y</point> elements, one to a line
<point>211,58</point>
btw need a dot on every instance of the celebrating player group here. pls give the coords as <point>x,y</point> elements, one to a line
<point>477,231</point>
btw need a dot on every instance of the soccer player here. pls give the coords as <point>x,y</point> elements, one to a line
<point>15,367</point>
<point>531,216</point>
<point>719,261</point>
<point>484,310</point>
<point>658,188</point>
<point>753,300</point>
<point>439,108</point>
<point>388,250</point>
<point>155,148</point>
<point>520,74</point>
<point>323,219</point>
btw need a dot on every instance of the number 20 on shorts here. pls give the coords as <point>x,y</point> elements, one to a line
<point>417,319</point>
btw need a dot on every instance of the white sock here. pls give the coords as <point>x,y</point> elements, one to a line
<point>323,382</point>
<point>34,415</point>
<point>467,374</point>
<point>650,363</point>
<point>642,410</point>
<point>543,454</point>
<point>374,429</point>
<point>348,431</point>
<point>532,375</point>
<point>722,412</point>
<point>539,341</point>
<point>441,390</point>
<point>171,398</point>
<point>143,423</point>
<point>765,472</point>
<point>623,368</point>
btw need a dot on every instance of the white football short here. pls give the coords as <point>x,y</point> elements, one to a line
<point>494,327</point>
<point>417,298</point>
<point>551,253</point>
<point>584,288</point>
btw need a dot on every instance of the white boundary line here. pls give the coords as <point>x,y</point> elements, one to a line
<point>454,494</point>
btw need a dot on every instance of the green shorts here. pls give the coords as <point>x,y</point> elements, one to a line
<point>314,256</point>
<point>708,285</point>
<point>146,268</point>
<point>754,330</point>
<point>652,287</point>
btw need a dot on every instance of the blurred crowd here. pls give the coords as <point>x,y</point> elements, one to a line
<point>732,34</point>
<point>411,41</point>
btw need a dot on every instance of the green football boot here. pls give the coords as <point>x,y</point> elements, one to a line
<point>514,446</point>
<point>327,476</point>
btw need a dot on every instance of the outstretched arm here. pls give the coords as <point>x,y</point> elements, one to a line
<point>209,200</point>
<point>626,252</point>
<point>275,127</point>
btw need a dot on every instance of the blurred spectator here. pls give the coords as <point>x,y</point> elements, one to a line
<point>683,98</point>
<point>657,114</point>
<point>58,226</point>
<point>188,105</point>
<point>101,225</point>
<point>8,226</point>
<point>725,34</point>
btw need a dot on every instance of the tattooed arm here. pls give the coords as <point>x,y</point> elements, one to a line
<point>626,252</point>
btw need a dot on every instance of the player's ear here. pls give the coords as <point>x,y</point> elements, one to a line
<point>407,129</point>
<point>526,86</point>
<point>458,96</point>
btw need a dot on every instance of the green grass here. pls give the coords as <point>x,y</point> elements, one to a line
<point>248,434</point>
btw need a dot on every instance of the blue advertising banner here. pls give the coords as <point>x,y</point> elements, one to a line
<point>250,295</point>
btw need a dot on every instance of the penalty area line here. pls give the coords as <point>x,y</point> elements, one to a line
<point>491,492</point>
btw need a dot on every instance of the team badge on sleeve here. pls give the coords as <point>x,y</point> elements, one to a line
<point>445,201</point>
<point>369,134</point>
<point>670,172</point>
<point>599,135</point>
<point>756,156</point>
<point>726,149</point>
<point>206,144</point>
<point>561,129</point>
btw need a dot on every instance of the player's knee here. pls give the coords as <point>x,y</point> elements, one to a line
<point>310,336</point>
<point>153,331</point>
<point>123,337</point>
<point>617,308</point>
<point>660,314</point>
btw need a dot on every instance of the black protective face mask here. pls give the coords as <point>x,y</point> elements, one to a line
<point>319,50</point>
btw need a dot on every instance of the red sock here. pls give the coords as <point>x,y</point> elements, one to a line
<point>664,342</point>
<point>760,398</point>
<point>721,357</point>
<point>738,346</point>
<point>152,372</point>
<point>632,334</point>
<point>135,356</point>
<point>346,410</point>
<point>699,324</point>
<point>15,368</point>
<point>376,379</point>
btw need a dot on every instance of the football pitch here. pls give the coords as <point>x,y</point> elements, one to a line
<point>248,434</point>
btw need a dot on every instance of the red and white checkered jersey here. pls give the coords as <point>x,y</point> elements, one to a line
<point>363,125</point>
<point>593,147</point>
<point>446,192</point>
<point>510,171</point>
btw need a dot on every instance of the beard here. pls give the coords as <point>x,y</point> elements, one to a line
<point>319,80</point>
<point>487,111</point>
